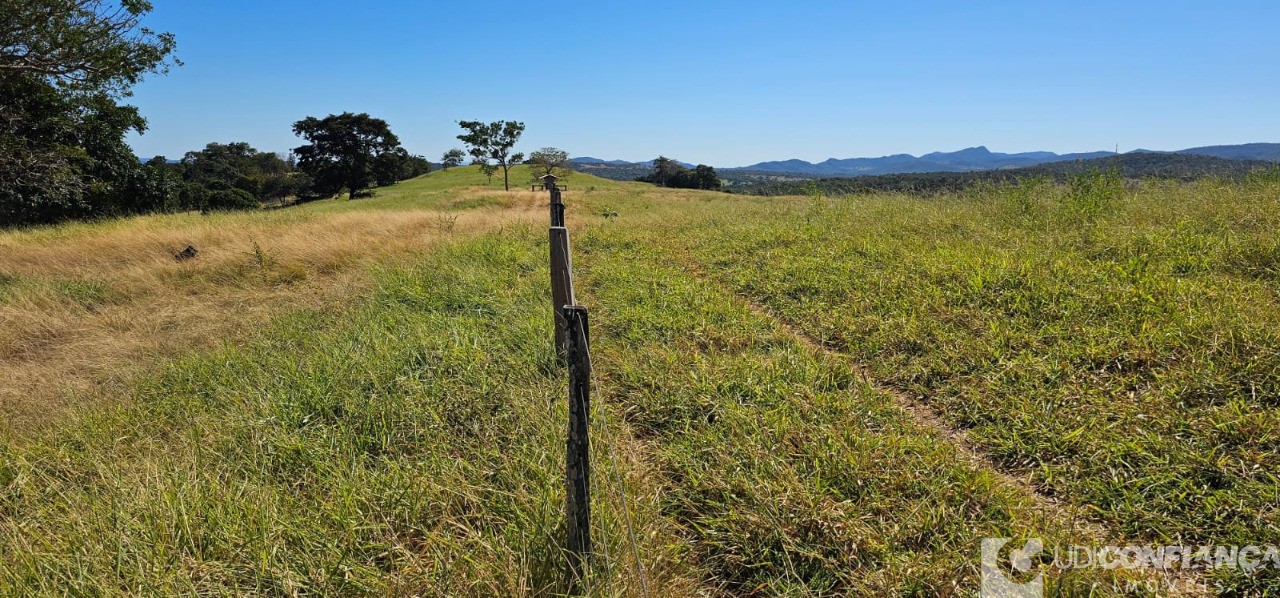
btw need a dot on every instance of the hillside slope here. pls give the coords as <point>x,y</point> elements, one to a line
<point>792,396</point>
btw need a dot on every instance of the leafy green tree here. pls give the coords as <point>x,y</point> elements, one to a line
<point>487,168</point>
<point>156,186</point>
<point>493,141</point>
<point>415,166</point>
<point>669,173</point>
<point>664,170</point>
<point>398,165</point>
<point>230,199</point>
<point>231,164</point>
<point>452,158</point>
<point>549,160</point>
<point>388,167</point>
<point>264,175</point>
<point>345,151</point>
<point>704,177</point>
<point>96,46</point>
<point>64,65</point>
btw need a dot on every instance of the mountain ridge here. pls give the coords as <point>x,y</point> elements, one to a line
<point>970,159</point>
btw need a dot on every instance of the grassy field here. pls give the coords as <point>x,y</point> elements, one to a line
<point>798,396</point>
<point>84,306</point>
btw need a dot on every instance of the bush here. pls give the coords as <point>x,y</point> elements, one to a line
<point>231,199</point>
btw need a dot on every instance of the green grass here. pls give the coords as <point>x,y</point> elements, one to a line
<point>1117,346</point>
<point>1120,347</point>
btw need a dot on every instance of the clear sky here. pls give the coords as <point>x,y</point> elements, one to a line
<point>725,83</point>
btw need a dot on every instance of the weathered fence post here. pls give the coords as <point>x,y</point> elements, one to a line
<point>577,449</point>
<point>561,265</point>
<point>561,284</point>
<point>572,339</point>
<point>557,205</point>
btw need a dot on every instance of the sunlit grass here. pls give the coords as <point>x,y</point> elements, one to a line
<point>397,427</point>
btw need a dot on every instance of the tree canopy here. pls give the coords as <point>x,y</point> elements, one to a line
<point>347,151</point>
<point>452,158</point>
<point>64,64</point>
<point>90,45</point>
<point>493,141</point>
<point>219,167</point>
<point>669,173</point>
<point>549,160</point>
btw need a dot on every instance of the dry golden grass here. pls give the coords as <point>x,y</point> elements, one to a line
<point>85,307</point>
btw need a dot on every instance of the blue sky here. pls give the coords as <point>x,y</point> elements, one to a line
<point>725,83</point>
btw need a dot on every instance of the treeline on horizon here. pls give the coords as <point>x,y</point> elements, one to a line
<point>1182,167</point>
<point>65,68</point>
<point>221,176</point>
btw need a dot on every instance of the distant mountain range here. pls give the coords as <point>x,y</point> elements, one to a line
<point>589,161</point>
<point>965,160</point>
<point>973,158</point>
<point>980,158</point>
<point>1269,152</point>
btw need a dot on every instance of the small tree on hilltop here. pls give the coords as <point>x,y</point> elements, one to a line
<point>493,141</point>
<point>486,168</point>
<point>549,160</point>
<point>452,158</point>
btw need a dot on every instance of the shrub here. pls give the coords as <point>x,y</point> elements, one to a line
<point>231,199</point>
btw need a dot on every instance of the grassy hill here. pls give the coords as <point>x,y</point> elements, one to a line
<point>796,396</point>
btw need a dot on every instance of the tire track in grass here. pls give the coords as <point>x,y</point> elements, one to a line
<point>1073,515</point>
<point>830,489</point>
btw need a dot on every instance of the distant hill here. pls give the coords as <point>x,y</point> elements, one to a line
<point>589,161</point>
<point>1134,165</point>
<point>973,159</point>
<point>618,170</point>
<point>1269,152</point>
<point>969,159</point>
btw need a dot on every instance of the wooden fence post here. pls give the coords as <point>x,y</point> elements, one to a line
<point>557,205</point>
<point>561,284</point>
<point>578,446</point>
<point>561,264</point>
<point>572,340</point>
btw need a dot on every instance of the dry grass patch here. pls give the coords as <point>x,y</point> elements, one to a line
<point>85,306</point>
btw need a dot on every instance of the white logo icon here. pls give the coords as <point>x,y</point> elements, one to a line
<point>995,584</point>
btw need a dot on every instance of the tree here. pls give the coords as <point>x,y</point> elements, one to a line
<point>664,170</point>
<point>669,173</point>
<point>704,177</point>
<point>86,45</point>
<point>493,141</point>
<point>549,160</point>
<point>64,65</point>
<point>345,151</point>
<point>263,175</point>
<point>452,158</point>
<point>486,168</point>
<point>414,166</point>
<point>388,167</point>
